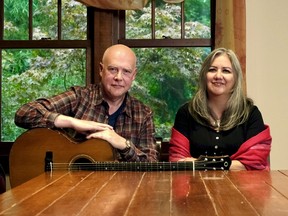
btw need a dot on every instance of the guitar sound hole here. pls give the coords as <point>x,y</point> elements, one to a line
<point>81,164</point>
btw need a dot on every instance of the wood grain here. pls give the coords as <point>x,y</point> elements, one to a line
<point>150,193</point>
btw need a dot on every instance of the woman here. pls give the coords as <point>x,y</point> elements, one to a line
<point>220,119</point>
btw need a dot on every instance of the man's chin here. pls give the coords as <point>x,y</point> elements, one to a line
<point>117,94</point>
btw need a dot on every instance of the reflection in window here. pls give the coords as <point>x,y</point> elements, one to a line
<point>30,74</point>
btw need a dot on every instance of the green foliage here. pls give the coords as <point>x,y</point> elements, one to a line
<point>166,79</point>
<point>16,19</point>
<point>198,11</point>
<point>49,72</point>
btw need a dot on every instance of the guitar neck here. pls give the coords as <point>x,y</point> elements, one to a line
<point>145,166</point>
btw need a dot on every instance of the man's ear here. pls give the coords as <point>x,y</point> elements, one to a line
<point>135,73</point>
<point>101,67</point>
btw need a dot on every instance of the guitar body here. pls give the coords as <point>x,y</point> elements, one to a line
<point>27,155</point>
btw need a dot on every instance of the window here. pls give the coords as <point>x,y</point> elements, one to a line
<point>44,50</point>
<point>170,41</point>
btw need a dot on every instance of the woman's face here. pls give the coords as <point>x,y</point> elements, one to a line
<point>220,77</point>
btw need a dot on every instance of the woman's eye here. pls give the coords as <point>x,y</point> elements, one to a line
<point>212,70</point>
<point>226,71</point>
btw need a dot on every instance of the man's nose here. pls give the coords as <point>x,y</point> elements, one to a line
<point>119,75</point>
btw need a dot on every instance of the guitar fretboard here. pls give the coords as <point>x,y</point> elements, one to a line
<point>144,166</point>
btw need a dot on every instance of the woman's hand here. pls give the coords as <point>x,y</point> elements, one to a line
<point>237,165</point>
<point>188,159</point>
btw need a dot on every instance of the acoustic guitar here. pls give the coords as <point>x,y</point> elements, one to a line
<point>42,149</point>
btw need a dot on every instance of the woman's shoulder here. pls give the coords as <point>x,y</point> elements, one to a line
<point>183,110</point>
<point>184,107</point>
<point>255,111</point>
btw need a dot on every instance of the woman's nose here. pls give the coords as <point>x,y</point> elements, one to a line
<point>218,74</point>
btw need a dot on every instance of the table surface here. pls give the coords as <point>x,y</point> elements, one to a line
<point>150,193</point>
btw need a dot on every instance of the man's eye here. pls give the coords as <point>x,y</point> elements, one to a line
<point>112,69</point>
<point>127,72</point>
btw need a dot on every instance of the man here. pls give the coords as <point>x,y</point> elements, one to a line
<point>105,110</point>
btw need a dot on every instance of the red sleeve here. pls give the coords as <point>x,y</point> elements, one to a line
<point>254,153</point>
<point>179,146</point>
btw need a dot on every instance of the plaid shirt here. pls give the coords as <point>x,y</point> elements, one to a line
<point>135,122</point>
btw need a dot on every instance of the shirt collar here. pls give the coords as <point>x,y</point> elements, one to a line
<point>100,100</point>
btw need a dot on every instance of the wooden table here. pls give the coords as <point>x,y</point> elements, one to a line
<point>150,193</point>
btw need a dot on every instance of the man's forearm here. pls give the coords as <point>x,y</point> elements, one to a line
<point>63,121</point>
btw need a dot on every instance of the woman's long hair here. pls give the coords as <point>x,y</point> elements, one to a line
<point>238,105</point>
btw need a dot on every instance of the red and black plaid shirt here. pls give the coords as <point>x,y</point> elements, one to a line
<point>135,122</point>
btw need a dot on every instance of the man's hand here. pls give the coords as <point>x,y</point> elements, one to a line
<point>92,130</point>
<point>81,126</point>
<point>88,127</point>
<point>110,136</point>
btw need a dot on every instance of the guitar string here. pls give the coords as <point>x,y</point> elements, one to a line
<point>140,165</point>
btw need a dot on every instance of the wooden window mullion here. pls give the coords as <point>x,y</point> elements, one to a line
<point>59,19</point>
<point>30,24</point>
<point>182,21</point>
<point>153,6</point>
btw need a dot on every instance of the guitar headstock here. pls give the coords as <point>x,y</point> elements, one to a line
<point>213,162</point>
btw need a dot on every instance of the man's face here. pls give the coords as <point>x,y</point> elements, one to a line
<point>117,73</point>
